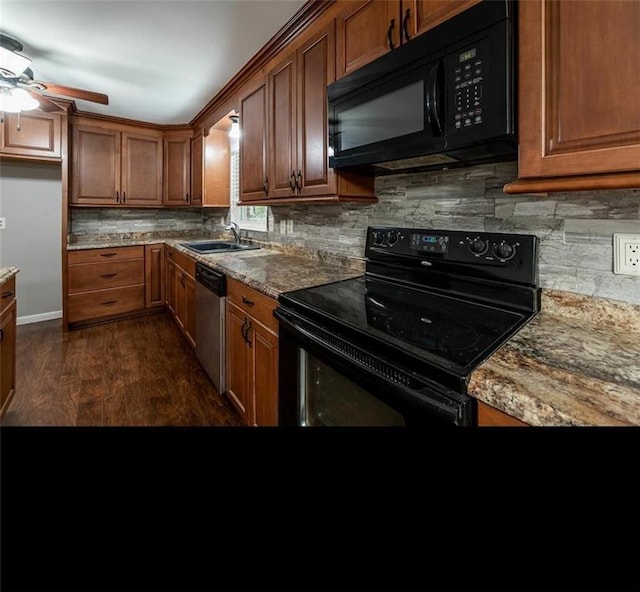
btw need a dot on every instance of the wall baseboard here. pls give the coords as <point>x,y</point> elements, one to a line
<point>37,318</point>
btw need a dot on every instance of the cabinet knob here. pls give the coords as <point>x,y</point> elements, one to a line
<point>247,301</point>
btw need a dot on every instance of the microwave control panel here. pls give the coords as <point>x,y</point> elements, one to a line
<point>469,68</point>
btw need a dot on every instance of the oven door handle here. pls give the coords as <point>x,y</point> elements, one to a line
<point>434,99</point>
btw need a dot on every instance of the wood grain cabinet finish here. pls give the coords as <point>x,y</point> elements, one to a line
<point>254,181</point>
<point>181,292</point>
<point>112,167</point>
<point>579,83</point>
<point>8,318</point>
<point>217,169</point>
<point>197,170</point>
<point>177,173</point>
<point>252,354</point>
<point>491,417</point>
<point>33,134</point>
<point>154,275</point>
<point>105,283</point>
<point>369,29</point>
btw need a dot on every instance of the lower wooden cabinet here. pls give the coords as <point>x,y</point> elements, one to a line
<point>490,416</point>
<point>252,354</point>
<point>8,315</point>
<point>154,270</point>
<point>181,292</point>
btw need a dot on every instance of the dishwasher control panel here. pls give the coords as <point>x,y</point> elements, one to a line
<point>211,279</point>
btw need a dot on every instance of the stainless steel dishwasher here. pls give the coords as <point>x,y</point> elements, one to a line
<point>211,290</point>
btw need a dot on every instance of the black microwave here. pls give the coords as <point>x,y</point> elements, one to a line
<point>445,98</point>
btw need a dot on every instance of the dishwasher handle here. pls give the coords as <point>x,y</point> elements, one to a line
<point>213,280</point>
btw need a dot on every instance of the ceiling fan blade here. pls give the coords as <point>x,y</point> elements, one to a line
<point>77,93</point>
<point>46,104</point>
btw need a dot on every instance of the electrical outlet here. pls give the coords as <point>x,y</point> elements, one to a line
<point>3,223</point>
<point>290,226</point>
<point>626,254</point>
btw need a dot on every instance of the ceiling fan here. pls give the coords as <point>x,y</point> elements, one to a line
<point>20,92</point>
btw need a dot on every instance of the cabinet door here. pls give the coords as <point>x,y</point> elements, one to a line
<point>253,147</point>
<point>426,14</point>
<point>177,162</point>
<point>96,166</point>
<point>217,169</point>
<point>32,133</point>
<point>239,363</point>
<point>366,30</point>
<point>197,164</point>
<point>579,88</point>
<point>141,170</point>
<point>171,287</point>
<point>7,355</point>
<point>154,280</point>
<point>265,359</point>
<point>190,309</point>
<point>316,69</point>
<point>181,298</point>
<point>282,129</point>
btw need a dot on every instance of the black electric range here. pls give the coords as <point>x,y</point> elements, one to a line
<point>430,307</point>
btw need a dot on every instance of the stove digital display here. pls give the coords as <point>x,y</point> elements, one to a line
<point>432,243</point>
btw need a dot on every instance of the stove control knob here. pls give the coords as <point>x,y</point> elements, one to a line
<point>504,251</point>
<point>392,237</point>
<point>478,246</point>
<point>378,237</point>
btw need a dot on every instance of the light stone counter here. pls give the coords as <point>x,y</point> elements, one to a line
<point>6,273</point>
<point>577,363</point>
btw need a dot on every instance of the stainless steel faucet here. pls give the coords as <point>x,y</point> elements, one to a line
<point>233,227</point>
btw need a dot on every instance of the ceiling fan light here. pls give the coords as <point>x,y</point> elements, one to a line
<point>12,62</point>
<point>9,103</point>
<point>25,100</point>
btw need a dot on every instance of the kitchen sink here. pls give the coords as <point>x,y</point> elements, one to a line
<point>209,247</point>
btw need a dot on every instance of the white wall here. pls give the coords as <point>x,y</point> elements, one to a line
<point>31,202</point>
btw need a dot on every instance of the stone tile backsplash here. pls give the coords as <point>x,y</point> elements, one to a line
<point>575,228</point>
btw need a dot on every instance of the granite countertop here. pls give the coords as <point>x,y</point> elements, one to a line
<point>6,273</point>
<point>575,364</point>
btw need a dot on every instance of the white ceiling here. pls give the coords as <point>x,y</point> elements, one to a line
<point>159,61</point>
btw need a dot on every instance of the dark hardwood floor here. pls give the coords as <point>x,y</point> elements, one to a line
<point>135,372</point>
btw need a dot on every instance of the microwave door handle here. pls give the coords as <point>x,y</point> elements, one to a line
<point>433,101</point>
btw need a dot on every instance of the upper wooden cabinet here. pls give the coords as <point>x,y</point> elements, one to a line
<point>579,83</point>
<point>368,29</point>
<point>284,143</point>
<point>217,169</point>
<point>31,134</point>
<point>197,166</point>
<point>116,167</point>
<point>177,174</point>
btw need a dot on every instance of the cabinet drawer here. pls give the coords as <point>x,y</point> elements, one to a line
<point>252,302</point>
<point>102,303</point>
<point>101,255</point>
<point>90,276</point>
<point>8,293</point>
<point>182,260</point>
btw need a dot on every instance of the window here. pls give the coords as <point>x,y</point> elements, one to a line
<point>248,217</point>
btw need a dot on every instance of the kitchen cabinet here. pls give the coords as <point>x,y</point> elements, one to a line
<point>154,279</point>
<point>217,169</point>
<point>8,312</point>
<point>284,143</point>
<point>105,283</point>
<point>197,167</point>
<point>254,181</point>
<point>31,134</point>
<point>116,167</point>
<point>252,354</point>
<point>369,29</point>
<point>579,122</point>
<point>181,290</point>
<point>491,417</point>
<point>177,173</point>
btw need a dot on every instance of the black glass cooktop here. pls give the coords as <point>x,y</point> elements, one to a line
<point>450,332</point>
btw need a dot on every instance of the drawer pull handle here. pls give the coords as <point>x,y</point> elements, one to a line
<point>249,342</point>
<point>7,294</point>
<point>108,275</point>
<point>108,303</point>
<point>108,254</point>
<point>1,334</point>
<point>247,301</point>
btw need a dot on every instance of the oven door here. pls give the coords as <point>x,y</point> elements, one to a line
<point>327,381</point>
